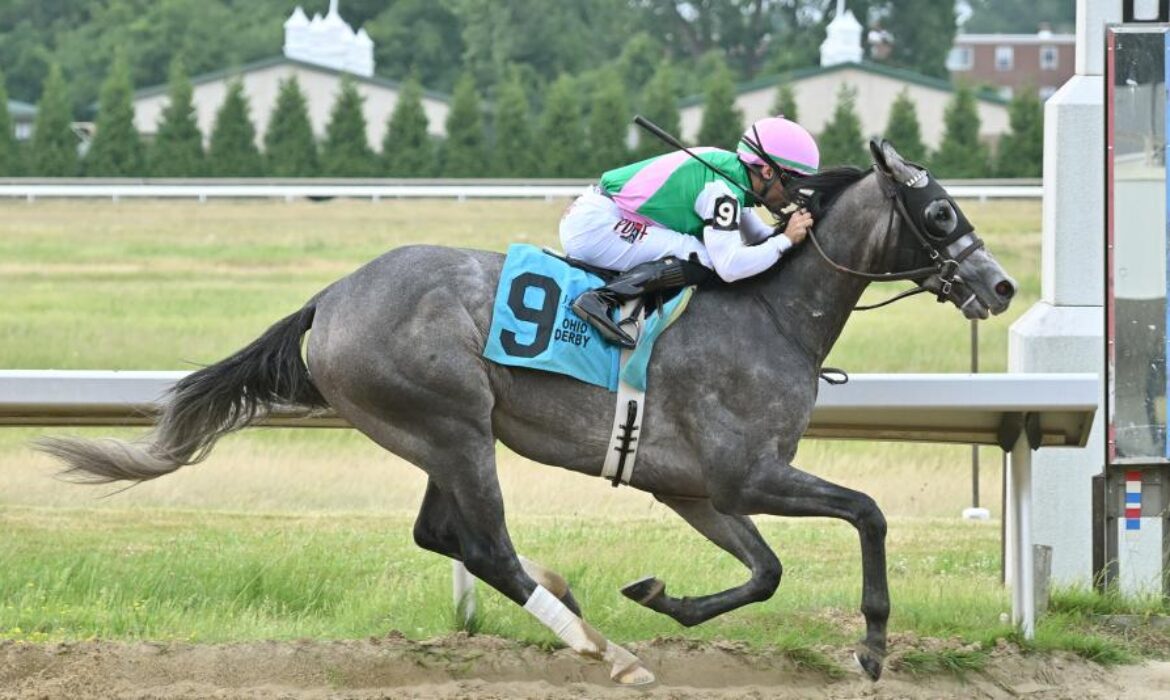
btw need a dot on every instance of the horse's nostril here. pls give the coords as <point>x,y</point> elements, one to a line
<point>1005,289</point>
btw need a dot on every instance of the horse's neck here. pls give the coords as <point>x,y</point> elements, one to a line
<point>812,299</point>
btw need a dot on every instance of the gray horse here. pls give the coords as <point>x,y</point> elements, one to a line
<point>396,346</point>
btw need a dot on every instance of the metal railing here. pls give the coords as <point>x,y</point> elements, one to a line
<point>202,190</point>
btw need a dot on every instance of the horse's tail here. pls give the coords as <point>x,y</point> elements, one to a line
<point>202,407</point>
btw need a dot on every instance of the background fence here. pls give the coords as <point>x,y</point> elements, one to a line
<point>31,189</point>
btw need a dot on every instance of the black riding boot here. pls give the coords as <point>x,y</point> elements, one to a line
<point>655,276</point>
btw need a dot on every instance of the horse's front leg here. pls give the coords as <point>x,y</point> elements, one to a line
<point>736,535</point>
<point>772,487</point>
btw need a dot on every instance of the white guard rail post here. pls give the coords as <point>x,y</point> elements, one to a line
<point>1018,412</point>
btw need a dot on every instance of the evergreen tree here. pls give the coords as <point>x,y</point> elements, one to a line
<point>961,154</point>
<point>924,32</point>
<point>660,107</point>
<point>841,143</point>
<point>54,146</point>
<point>233,151</point>
<point>722,123</point>
<point>514,152</point>
<point>561,135</point>
<point>903,131</point>
<point>9,155</point>
<point>609,125</point>
<point>407,149</point>
<point>116,149</point>
<point>289,146</point>
<point>637,62</point>
<point>422,38</point>
<point>1015,17</point>
<point>464,151</point>
<point>178,147</point>
<point>346,151</point>
<point>1021,151</point>
<point>785,104</point>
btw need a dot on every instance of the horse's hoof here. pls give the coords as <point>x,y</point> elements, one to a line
<point>644,590</point>
<point>869,660</point>
<point>626,669</point>
<point>633,675</point>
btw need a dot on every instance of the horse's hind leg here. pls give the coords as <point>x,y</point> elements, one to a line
<point>487,553</point>
<point>553,582</point>
<point>436,530</point>
<point>465,510</point>
<point>434,410</point>
<point>781,489</point>
<point>739,537</point>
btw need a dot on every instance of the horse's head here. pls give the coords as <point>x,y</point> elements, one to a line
<point>936,239</point>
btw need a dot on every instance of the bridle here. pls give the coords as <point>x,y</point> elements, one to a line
<point>942,273</point>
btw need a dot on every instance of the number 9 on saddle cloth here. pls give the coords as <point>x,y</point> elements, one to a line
<point>535,326</point>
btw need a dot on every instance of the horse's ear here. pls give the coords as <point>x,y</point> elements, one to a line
<point>877,149</point>
<point>891,162</point>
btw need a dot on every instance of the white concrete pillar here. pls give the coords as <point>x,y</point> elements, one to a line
<point>1065,331</point>
<point>1063,339</point>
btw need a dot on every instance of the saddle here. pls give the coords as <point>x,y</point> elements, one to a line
<point>605,275</point>
<point>632,294</point>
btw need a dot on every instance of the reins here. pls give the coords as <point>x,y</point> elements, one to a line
<point>940,274</point>
<point>943,269</point>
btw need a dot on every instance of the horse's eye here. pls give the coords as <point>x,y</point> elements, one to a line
<point>941,217</point>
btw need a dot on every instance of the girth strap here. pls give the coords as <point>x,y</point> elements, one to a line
<point>622,450</point>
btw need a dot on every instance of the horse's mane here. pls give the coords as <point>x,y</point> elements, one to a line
<point>827,184</point>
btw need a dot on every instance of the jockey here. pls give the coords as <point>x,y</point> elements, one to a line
<point>654,220</point>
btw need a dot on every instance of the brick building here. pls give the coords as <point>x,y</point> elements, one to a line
<point>1013,62</point>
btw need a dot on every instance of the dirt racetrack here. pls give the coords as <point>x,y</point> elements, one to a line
<point>488,667</point>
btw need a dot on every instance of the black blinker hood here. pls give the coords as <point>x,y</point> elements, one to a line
<point>916,198</point>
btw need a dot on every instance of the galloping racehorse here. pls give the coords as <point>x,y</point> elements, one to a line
<point>396,347</point>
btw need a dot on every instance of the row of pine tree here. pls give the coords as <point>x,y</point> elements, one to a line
<point>581,131</point>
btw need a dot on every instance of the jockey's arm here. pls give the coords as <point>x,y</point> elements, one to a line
<point>730,257</point>
<point>752,228</point>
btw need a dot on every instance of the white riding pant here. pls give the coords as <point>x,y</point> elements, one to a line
<point>595,231</point>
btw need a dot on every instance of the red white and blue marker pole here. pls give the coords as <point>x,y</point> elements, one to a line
<point>1133,501</point>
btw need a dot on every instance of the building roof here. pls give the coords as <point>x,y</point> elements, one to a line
<point>21,109</point>
<point>281,60</point>
<point>1048,38</point>
<point>901,74</point>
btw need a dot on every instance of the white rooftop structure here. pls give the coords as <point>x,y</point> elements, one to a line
<point>328,41</point>
<point>842,42</point>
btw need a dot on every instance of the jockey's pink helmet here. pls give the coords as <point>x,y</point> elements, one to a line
<point>785,141</point>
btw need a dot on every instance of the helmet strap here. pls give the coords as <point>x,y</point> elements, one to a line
<point>777,177</point>
<point>756,147</point>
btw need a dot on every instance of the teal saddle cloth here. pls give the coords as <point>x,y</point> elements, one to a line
<point>534,327</point>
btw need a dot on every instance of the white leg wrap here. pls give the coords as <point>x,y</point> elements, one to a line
<point>625,668</point>
<point>547,608</point>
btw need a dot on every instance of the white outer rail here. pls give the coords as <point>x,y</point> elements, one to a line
<point>1019,412</point>
<point>460,190</point>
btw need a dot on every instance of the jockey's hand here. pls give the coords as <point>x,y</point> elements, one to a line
<point>798,226</point>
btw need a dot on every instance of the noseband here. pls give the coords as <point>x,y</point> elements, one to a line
<point>941,274</point>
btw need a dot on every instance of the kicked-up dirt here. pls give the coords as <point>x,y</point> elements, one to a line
<point>481,667</point>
